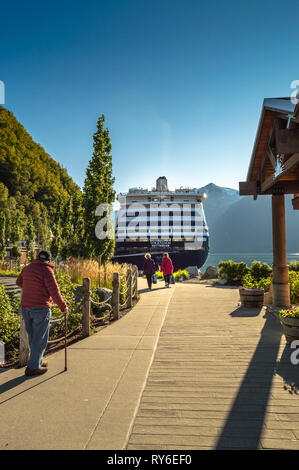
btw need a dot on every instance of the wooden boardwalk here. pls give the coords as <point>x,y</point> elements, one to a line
<point>221,378</point>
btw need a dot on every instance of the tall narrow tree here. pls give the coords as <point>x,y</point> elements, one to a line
<point>98,189</point>
<point>30,237</point>
<point>2,236</point>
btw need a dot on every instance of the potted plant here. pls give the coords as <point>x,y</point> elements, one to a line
<point>290,323</point>
<point>253,290</point>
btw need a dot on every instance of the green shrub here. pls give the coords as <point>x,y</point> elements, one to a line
<point>260,270</point>
<point>294,266</point>
<point>67,288</point>
<point>290,313</point>
<point>294,286</point>
<point>9,323</point>
<point>159,275</point>
<point>232,271</point>
<point>251,283</point>
<point>181,275</point>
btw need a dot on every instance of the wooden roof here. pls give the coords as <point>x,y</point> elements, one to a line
<point>270,170</point>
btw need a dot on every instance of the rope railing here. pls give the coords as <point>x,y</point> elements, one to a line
<point>126,286</point>
<point>53,341</point>
<point>104,302</point>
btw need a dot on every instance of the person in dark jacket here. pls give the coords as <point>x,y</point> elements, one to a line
<point>167,268</point>
<point>149,268</point>
<point>39,290</point>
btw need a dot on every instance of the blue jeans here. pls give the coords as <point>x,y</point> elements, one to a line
<point>37,323</point>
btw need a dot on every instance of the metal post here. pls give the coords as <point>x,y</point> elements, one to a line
<point>115,296</point>
<point>86,306</point>
<point>65,343</point>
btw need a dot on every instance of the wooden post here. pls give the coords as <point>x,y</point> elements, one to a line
<point>129,275</point>
<point>86,306</point>
<point>136,281</point>
<point>115,296</point>
<point>23,343</point>
<point>280,273</point>
<point>100,265</point>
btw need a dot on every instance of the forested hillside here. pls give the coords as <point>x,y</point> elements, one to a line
<point>38,199</point>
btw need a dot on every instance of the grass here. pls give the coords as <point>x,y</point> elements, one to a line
<point>77,269</point>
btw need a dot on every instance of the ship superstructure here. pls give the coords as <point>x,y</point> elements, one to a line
<point>159,221</point>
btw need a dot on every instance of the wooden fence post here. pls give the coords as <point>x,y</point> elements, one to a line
<point>136,281</point>
<point>129,302</point>
<point>86,306</point>
<point>24,349</point>
<point>115,296</point>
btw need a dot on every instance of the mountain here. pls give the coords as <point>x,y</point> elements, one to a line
<point>240,224</point>
<point>39,201</point>
<point>218,200</point>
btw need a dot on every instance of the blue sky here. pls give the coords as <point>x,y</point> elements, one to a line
<point>181,83</point>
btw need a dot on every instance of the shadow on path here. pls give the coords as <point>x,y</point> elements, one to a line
<point>243,312</point>
<point>246,417</point>
<point>147,291</point>
<point>18,381</point>
<point>288,371</point>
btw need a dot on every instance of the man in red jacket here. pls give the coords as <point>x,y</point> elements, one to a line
<point>39,290</point>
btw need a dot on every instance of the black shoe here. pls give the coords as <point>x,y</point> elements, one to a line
<point>30,372</point>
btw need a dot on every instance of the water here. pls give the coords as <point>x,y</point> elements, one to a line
<point>248,258</point>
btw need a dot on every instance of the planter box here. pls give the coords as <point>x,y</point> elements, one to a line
<point>290,328</point>
<point>251,298</point>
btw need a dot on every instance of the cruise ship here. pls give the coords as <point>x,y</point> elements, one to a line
<point>159,221</point>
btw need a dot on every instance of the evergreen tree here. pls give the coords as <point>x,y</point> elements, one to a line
<point>67,228</point>
<point>30,238</point>
<point>76,241</point>
<point>2,236</point>
<point>98,189</point>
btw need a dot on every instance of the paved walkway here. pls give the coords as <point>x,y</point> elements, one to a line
<point>185,369</point>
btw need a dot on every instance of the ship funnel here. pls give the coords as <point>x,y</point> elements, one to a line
<point>161,184</point>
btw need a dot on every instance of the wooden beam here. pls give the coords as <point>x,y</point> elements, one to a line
<point>271,157</point>
<point>267,155</point>
<point>251,188</point>
<point>287,167</point>
<point>247,188</point>
<point>287,140</point>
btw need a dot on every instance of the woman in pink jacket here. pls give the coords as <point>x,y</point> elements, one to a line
<point>167,268</point>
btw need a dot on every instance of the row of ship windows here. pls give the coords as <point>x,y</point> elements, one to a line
<point>154,212</point>
<point>159,227</point>
<point>178,218</point>
<point>162,233</point>
<point>164,200</point>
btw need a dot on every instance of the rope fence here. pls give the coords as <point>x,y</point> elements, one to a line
<point>124,291</point>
